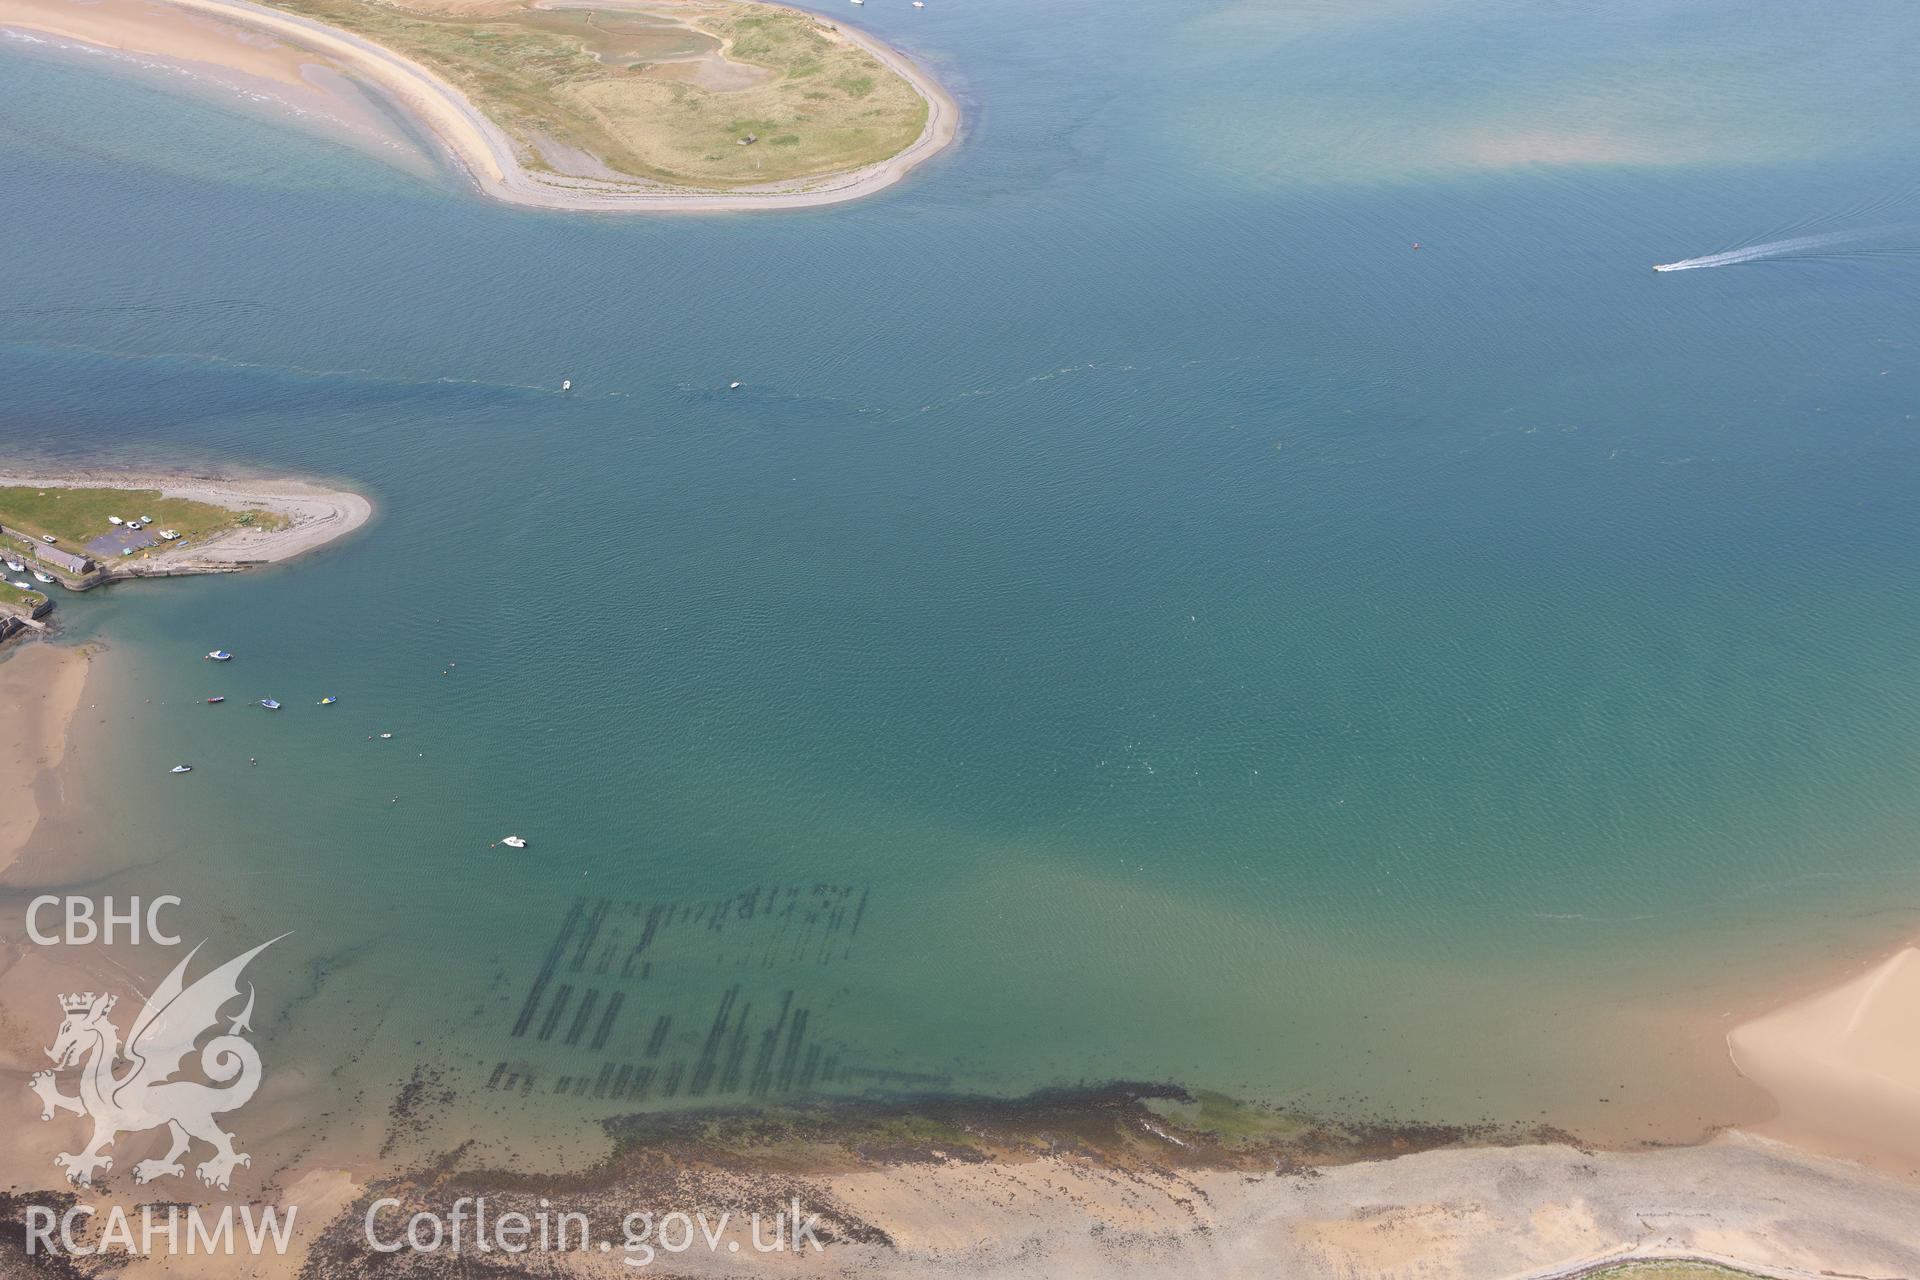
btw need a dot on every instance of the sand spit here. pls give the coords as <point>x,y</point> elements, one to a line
<point>478,145</point>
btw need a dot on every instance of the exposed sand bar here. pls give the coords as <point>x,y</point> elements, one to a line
<point>479,146</point>
<point>315,515</point>
<point>292,81</point>
<point>1844,1065</point>
<point>40,690</point>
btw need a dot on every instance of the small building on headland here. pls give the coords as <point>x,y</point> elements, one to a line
<point>65,561</point>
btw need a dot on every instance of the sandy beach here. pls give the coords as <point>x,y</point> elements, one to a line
<point>257,39</point>
<point>1843,1064</point>
<point>315,515</point>
<point>1065,1200</point>
<point>1463,1214</point>
<point>40,690</point>
<point>1031,1191</point>
<point>208,51</point>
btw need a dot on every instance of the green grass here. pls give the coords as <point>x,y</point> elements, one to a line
<point>76,516</point>
<point>28,600</point>
<point>1668,1271</point>
<point>537,77</point>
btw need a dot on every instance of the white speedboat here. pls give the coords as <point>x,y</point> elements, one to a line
<point>24,585</point>
<point>270,704</point>
<point>16,566</point>
<point>181,768</point>
<point>514,842</point>
<point>41,577</point>
<point>221,655</point>
<point>566,384</point>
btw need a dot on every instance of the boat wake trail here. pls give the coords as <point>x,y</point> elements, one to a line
<point>1797,245</point>
<point>1805,239</point>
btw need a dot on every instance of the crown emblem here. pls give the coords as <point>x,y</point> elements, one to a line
<point>82,1002</point>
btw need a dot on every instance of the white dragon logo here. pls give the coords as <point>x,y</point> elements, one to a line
<point>146,1096</point>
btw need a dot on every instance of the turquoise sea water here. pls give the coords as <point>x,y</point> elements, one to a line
<point>1140,618</point>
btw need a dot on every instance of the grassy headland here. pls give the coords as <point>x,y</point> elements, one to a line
<point>74,517</point>
<point>21,598</point>
<point>710,94</point>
